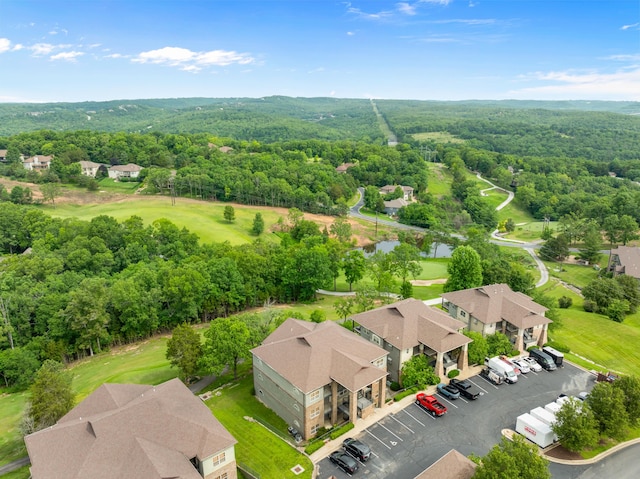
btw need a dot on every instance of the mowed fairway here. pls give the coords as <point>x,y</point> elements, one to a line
<point>200,217</point>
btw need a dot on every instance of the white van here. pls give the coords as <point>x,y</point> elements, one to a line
<point>502,368</point>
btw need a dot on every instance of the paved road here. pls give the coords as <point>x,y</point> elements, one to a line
<point>12,466</point>
<point>624,464</point>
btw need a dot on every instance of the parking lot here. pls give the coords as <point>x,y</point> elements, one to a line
<point>407,442</point>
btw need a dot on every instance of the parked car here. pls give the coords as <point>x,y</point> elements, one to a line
<point>431,405</point>
<point>344,461</point>
<point>466,389</point>
<point>295,434</point>
<point>492,376</point>
<point>516,368</point>
<point>357,449</point>
<point>522,365</point>
<point>533,364</point>
<point>448,391</point>
<point>543,359</point>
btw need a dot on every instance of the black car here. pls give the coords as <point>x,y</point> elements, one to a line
<point>357,449</point>
<point>344,461</point>
<point>466,389</point>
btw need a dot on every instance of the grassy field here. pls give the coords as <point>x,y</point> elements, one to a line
<point>530,231</point>
<point>11,444</point>
<point>438,137</point>
<point>495,197</point>
<point>124,187</point>
<point>258,447</point>
<point>439,179</point>
<point>22,473</point>
<point>573,274</point>
<point>516,213</point>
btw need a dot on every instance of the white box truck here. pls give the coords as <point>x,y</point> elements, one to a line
<point>502,368</point>
<point>553,407</point>
<point>534,430</point>
<point>543,415</point>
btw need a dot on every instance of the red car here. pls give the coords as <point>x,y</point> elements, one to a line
<point>430,404</point>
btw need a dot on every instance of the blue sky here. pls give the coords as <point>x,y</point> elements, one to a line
<point>79,50</point>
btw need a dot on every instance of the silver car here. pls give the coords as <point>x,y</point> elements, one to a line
<point>522,365</point>
<point>533,364</point>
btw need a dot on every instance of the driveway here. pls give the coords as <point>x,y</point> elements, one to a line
<point>407,442</point>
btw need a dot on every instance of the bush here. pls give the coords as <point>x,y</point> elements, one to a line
<point>565,302</point>
<point>342,430</point>
<point>395,386</point>
<point>405,393</point>
<point>453,373</point>
<point>589,306</point>
<point>514,352</point>
<point>313,446</point>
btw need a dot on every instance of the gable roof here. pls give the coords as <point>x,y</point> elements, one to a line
<point>310,355</point>
<point>90,164</point>
<point>127,167</point>
<point>629,260</point>
<point>38,159</point>
<point>496,302</point>
<point>452,465</point>
<point>397,203</point>
<point>124,430</point>
<point>341,168</point>
<point>392,188</point>
<point>409,322</point>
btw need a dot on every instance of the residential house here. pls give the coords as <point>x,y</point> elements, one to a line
<point>496,308</point>
<point>410,327</point>
<point>89,168</point>
<point>625,260</point>
<point>316,375</point>
<point>407,191</point>
<point>452,465</point>
<point>392,207</point>
<point>37,162</point>
<point>129,430</point>
<point>344,167</point>
<point>3,156</point>
<point>129,170</point>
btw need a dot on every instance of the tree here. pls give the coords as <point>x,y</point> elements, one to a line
<point>354,266</point>
<point>555,248</point>
<point>576,426</point>
<point>478,349</point>
<point>405,261</point>
<point>344,307</point>
<point>465,270</point>
<point>341,229</point>
<point>87,314</point>
<point>50,191</point>
<point>258,225</point>
<point>51,395</point>
<point>498,344</point>
<point>184,351</point>
<point>608,405</point>
<point>417,372</point>
<point>630,386</point>
<point>18,366</point>
<point>513,459</point>
<point>602,291</point>
<point>229,213</point>
<point>380,270</point>
<point>227,342</point>
<point>630,289</point>
<point>617,310</point>
<point>627,228</point>
<point>592,244</point>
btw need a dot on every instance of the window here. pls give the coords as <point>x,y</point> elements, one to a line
<point>223,476</point>
<point>375,339</point>
<point>219,459</point>
<point>295,406</point>
<point>315,412</point>
<point>463,314</point>
<point>315,395</point>
<point>314,428</point>
<point>260,376</point>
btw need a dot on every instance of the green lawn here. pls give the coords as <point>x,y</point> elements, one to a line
<point>258,448</point>
<point>22,473</point>
<point>573,274</point>
<point>530,231</point>
<point>124,187</point>
<point>495,197</point>
<point>203,218</point>
<point>439,179</point>
<point>428,292</point>
<point>11,444</point>
<point>434,268</point>
<point>516,213</point>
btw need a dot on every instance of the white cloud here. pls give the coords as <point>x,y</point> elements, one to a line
<point>620,85</point>
<point>406,8</point>
<point>192,61</point>
<point>39,49</point>
<point>114,55</point>
<point>437,2</point>
<point>633,26</point>
<point>5,45</point>
<point>350,34</point>
<point>468,21</point>
<point>66,56</point>
<point>316,70</point>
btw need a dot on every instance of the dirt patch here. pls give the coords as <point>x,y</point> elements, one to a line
<point>560,452</point>
<point>427,282</point>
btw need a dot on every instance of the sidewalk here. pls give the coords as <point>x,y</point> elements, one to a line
<point>379,414</point>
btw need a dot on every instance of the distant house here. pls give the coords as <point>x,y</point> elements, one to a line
<point>89,168</point>
<point>316,375</point>
<point>410,327</point>
<point>344,167</point>
<point>37,162</point>
<point>124,171</point>
<point>496,308</point>
<point>3,156</point>
<point>452,465</point>
<point>625,260</point>
<point>392,207</point>
<point>407,191</point>
<point>135,431</point>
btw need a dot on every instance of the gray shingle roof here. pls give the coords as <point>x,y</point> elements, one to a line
<point>452,465</point>
<point>409,322</point>
<point>310,355</point>
<point>123,430</point>
<point>496,302</point>
<point>629,259</point>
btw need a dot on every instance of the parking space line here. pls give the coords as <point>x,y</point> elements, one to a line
<point>390,431</point>
<point>401,423</point>
<point>379,440</point>
<point>447,401</point>
<point>488,382</point>
<point>480,387</point>
<point>414,418</point>
<point>429,415</point>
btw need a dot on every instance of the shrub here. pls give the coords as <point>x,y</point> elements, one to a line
<point>341,430</point>
<point>589,306</point>
<point>313,446</point>
<point>405,393</point>
<point>395,386</point>
<point>453,373</point>
<point>514,352</point>
<point>565,302</point>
